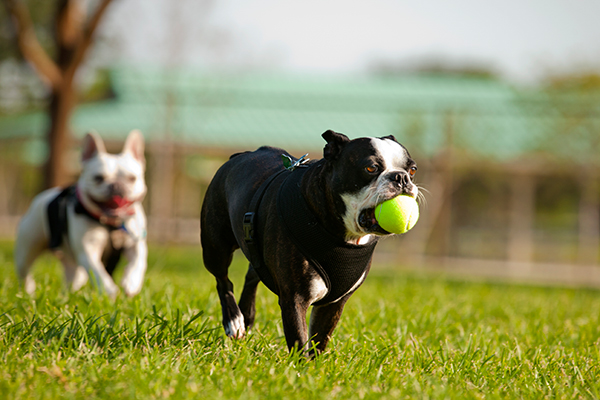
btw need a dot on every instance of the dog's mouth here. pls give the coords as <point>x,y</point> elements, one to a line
<point>114,204</point>
<point>368,222</point>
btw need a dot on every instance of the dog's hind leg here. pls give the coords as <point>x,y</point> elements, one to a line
<point>217,256</point>
<point>25,254</point>
<point>30,243</point>
<point>233,320</point>
<point>32,237</point>
<point>247,302</point>
<point>218,244</point>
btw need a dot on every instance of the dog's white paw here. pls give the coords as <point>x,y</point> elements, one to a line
<point>80,278</point>
<point>235,328</point>
<point>29,285</point>
<point>132,285</point>
<point>110,289</point>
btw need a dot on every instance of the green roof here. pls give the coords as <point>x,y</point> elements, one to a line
<point>244,111</point>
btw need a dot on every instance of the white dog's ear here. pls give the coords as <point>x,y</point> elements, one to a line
<point>134,145</point>
<point>92,145</point>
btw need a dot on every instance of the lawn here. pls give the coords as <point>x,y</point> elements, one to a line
<point>402,335</point>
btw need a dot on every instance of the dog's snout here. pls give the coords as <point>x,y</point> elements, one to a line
<point>401,183</point>
<point>401,178</point>
<point>116,188</point>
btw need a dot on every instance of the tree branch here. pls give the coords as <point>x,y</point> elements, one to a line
<point>86,40</point>
<point>29,45</point>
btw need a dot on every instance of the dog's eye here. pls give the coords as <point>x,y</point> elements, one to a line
<point>98,179</point>
<point>412,171</point>
<point>131,178</point>
<point>372,169</point>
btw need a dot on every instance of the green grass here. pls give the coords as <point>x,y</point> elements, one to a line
<point>401,336</point>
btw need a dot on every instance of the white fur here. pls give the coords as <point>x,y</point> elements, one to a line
<point>357,284</point>
<point>126,167</point>
<point>395,158</point>
<point>363,240</point>
<point>82,250</point>
<point>136,252</point>
<point>318,289</point>
<point>235,328</point>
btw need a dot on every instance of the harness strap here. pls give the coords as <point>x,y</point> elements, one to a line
<point>340,264</point>
<point>250,238</point>
<point>57,215</point>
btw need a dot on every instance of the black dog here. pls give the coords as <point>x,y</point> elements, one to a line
<point>309,231</point>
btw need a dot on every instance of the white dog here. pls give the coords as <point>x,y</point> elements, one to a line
<point>90,224</point>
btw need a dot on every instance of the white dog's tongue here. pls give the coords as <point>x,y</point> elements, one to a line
<point>117,202</point>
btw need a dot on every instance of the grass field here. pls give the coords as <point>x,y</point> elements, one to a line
<point>401,336</point>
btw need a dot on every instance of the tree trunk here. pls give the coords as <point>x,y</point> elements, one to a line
<point>73,37</point>
<point>62,99</point>
<point>60,109</point>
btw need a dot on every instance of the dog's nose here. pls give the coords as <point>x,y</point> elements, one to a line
<point>116,189</point>
<point>401,178</point>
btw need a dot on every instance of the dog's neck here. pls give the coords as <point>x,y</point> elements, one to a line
<point>315,195</point>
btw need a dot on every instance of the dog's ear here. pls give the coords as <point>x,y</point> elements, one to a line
<point>391,137</point>
<point>134,145</point>
<point>92,145</point>
<point>335,144</point>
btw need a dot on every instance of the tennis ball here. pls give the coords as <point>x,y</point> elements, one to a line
<point>397,215</point>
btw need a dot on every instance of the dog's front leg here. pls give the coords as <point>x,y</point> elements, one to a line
<point>133,276</point>
<point>75,276</point>
<point>89,245</point>
<point>293,315</point>
<point>98,275</point>
<point>323,320</point>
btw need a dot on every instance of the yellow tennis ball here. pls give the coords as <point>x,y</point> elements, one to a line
<point>397,215</point>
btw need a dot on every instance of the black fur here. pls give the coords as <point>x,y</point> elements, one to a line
<point>342,170</point>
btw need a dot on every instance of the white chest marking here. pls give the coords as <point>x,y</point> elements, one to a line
<point>318,289</point>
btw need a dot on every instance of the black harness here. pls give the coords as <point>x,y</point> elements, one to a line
<point>59,226</point>
<point>57,215</point>
<point>340,264</point>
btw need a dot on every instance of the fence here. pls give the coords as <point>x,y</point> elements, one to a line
<point>511,177</point>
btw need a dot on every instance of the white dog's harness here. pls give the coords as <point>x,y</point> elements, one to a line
<point>59,226</point>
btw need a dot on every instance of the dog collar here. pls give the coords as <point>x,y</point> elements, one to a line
<point>57,215</point>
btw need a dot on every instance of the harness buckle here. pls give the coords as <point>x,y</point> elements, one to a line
<point>248,226</point>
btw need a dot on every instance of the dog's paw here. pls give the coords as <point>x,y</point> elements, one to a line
<point>80,278</point>
<point>29,285</point>
<point>111,290</point>
<point>235,327</point>
<point>132,284</point>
